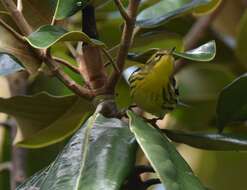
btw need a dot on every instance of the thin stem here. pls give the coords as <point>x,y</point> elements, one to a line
<point>18,17</point>
<point>19,5</point>
<point>122,10</point>
<point>124,44</point>
<point>111,60</point>
<point>71,48</point>
<point>67,64</point>
<point>11,30</point>
<point>65,79</point>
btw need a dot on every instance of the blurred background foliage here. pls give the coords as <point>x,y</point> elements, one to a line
<point>199,83</point>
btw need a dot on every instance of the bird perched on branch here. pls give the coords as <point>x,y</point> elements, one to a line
<point>153,86</point>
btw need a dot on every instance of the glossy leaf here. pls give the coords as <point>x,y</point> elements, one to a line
<point>99,156</point>
<point>157,39</point>
<point>232,103</point>
<point>209,7</point>
<point>44,119</point>
<point>171,168</point>
<point>165,10</point>
<point>10,45</point>
<point>205,52</point>
<point>36,12</point>
<point>46,36</point>
<point>66,8</point>
<point>142,57</point>
<point>9,64</point>
<point>209,141</point>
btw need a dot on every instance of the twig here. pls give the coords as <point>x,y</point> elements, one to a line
<point>19,5</point>
<point>72,50</point>
<point>18,17</point>
<point>111,61</point>
<point>67,64</point>
<point>11,30</point>
<point>65,79</point>
<point>122,10</point>
<point>125,43</point>
<point>196,33</point>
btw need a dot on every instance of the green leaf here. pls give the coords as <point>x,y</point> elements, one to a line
<point>66,8</point>
<point>44,119</point>
<point>142,57</point>
<point>205,52</point>
<point>99,156</point>
<point>209,141</point>
<point>9,64</point>
<point>157,39</point>
<point>48,35</point>
<point>171,168</point>
<point>10,45</point>
<point>166,10</point>
<point>232,103</point>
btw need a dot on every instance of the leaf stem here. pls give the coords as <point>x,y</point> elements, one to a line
<point>11,30</point>
<point>124,44</point>
<point>122,10</point>
<point>18,17</point>
<point>67,64</point>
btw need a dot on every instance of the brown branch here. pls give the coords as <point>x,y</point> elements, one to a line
<point>18,17</point>
<point>26,29</point>
<point>65,79</point>
<point>196,33</point>
<point>89,58</point>
<point>11,30</point>
<point>124,44</point>
<point>122,10</point>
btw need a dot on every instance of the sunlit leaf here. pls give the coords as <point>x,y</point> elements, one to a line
<point>232,103</point>
<point>9,64</point>
<point>209,141</point>
<point>166,10</point>
<point>99,156</point>
<point>46,36</point>
<point>44,119</point>
<point>171,168</point>
<point>209,7</point>
<point>205,52</point>
<point>66,8</point>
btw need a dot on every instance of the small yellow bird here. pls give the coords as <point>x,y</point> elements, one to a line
<point>153,87</point>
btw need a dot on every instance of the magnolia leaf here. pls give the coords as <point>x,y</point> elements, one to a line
<point>9,64</point>
<point>165,10</point>
<point>209,141</point>
<point>169,165</point>
<point>48,35</point>
<point>142,57</point>
<point>232,103</point>
<point>66,8</point>
<point>44,119</point>
<point>99,156</point>
<point>205,52</point>
<point>10,45</point>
